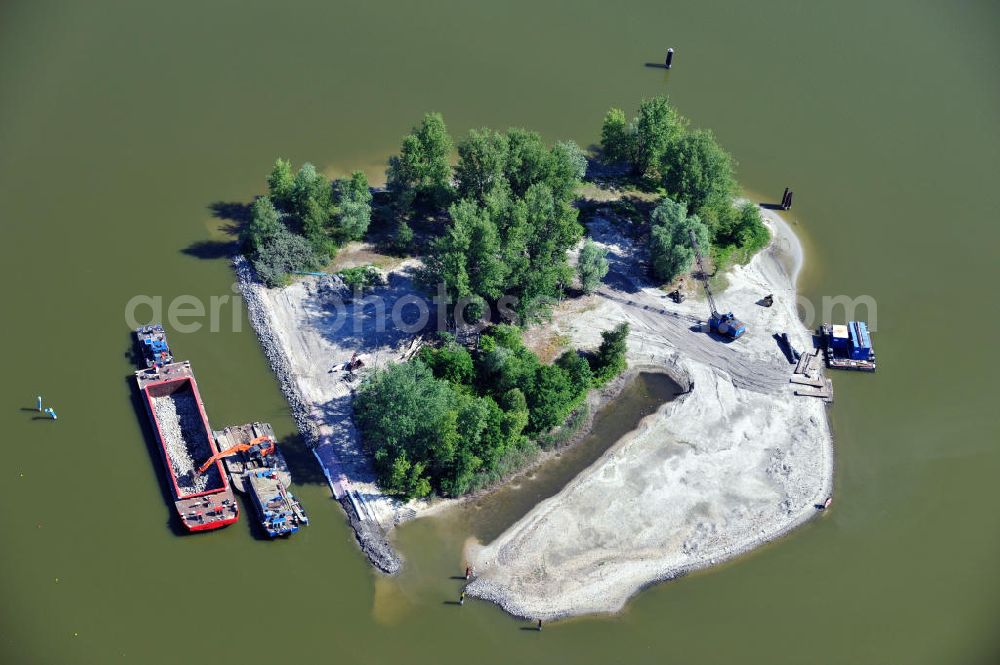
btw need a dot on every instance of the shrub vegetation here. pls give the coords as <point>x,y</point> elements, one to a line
<point>451,420</point>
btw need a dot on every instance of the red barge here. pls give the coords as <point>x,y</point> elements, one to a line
<point>203,501</point>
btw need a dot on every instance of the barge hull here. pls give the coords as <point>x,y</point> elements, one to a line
<point>205,509</point>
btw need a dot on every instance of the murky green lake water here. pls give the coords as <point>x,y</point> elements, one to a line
<point>121,123</point>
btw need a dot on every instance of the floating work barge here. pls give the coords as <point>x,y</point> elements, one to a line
<point>257,468</point>
<point>204,501</point>
<point>848,347</point>
<point>151,341</point>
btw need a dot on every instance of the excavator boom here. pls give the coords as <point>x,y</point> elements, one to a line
<point>238,448</point>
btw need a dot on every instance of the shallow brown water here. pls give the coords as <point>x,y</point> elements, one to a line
<point>121,123</point>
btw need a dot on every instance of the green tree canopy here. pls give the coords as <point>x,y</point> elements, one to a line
<point>280,183</point>
<point>448,419</point>
<point>265,223</point>
<point>657,126</point>
<point>616,138</point>
<point>699,173</point>
<point>592,266</point>
<point>421,173</point>
<point>670,239</point>
<point>643,142</point>
<point>610,360</point>
<point>354,207</point>
<point>483,158</point>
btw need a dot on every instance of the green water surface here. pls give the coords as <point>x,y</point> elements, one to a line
<point>121,123</point>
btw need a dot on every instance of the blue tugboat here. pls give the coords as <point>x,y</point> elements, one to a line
<point>153,348</point>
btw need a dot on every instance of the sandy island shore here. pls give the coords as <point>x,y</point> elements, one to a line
<point>735,463</point>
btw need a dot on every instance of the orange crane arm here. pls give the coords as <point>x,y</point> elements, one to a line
<point>238,448</point>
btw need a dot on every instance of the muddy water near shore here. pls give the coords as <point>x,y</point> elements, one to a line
<point>487,517</point>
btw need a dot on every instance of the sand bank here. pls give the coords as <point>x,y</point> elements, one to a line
<point>735,463</point>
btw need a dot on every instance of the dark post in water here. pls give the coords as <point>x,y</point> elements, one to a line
<point>670,58</point>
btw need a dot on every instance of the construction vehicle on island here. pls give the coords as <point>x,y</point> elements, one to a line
<point>724,324</point>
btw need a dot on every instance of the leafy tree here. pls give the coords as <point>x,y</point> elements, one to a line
<point>482,164</point>
<point>355,207</point>
<point>404,411</point>
<point>577,370</point>
<point>403,238</point>
<point>528,160</point>
<point>280,183</point>
<point>421,173</point>
<point>308,185</point>
<point>551,399</point>
<point>280,253</point>
<point>314,220</point>
<point>644,142</point>
<point>617,144</point>
<point>610,360</point>
<point>592,266</point>
<point>451,361</point>
<point>670,239</point>
<point>265,222</point>
<point>742,229</point>
<point>568,166</point>
<point>699,173</point>
<point>657,126</point>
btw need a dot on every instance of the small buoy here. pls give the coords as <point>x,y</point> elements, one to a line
<point>668,63</point>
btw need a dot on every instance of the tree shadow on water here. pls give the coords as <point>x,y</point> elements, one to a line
<point>233,211</point>
<point>237,214</point>
<point>212,249</point>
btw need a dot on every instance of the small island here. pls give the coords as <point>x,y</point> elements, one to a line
<point>435,336</point>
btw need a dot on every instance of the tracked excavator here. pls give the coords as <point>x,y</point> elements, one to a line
<point>726,324</point>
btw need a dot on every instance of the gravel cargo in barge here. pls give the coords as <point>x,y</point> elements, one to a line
<point>259,470</point>
<point>170,393</point>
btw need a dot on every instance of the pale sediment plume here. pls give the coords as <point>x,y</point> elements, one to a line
<point>184,435</point>
<point>737,461</point>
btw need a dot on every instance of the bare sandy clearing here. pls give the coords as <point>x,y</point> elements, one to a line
<point>735,463</point>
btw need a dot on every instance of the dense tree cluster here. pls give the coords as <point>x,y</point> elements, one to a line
<point>512,222</point>
<point>510,213</point>
<point>302,220</point>
<point>449,418</point>
<point>694,171</point>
